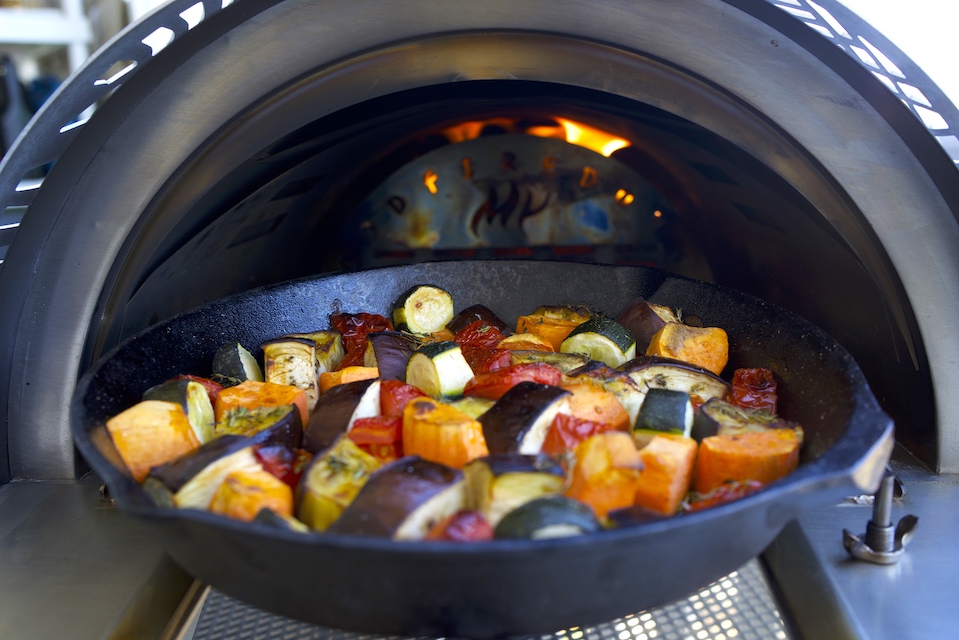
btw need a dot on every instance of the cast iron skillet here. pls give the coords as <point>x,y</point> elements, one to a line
<point>503,587</point>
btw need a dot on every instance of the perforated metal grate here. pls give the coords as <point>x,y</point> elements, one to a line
<point>739,606</point>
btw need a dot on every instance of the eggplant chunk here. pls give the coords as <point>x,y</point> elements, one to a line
<point>653,372</point>
<point>292,361</point>
<point>338,409</point>
<point>233,363</point>
<point>331,482</point>
<point>403,500</point>
<point>199,490</point>
<point>476,312</point>
<point>328,348</point>
<point>497,484</point>
<point>390,352</point>
<point>519,421</point>
<point>565,362</point>
<point>718,417</point>
<point>194,399</point>
<point>265,425</point>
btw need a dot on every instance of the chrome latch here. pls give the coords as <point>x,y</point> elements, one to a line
<point>882,543</point>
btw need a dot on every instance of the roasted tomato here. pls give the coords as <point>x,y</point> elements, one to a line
<point>394,396</point>
<point>753,389</point>
<point>729,492</point>
<point>568,431</point>
<point>284,463</point>
<point>493,384</point>
<point>466,525</point>
<point>355,327</point>
<point>213,388</point>
<point>482,360</point>
<point>479,334</point>
<point>381,436</point>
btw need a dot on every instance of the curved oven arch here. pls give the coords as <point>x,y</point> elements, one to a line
<point>259,98</point>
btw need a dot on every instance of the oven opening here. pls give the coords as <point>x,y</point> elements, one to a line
<point>511,169</point>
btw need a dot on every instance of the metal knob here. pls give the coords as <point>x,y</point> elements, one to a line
<point>882,543</point>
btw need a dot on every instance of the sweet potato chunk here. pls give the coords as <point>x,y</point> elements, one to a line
<point>762,456</point>
<point>244,493</point>
<point>606,472</point>
<point>590,401</point>
<point>553,330</point>
<point>668,462</point>
<point>151,433</point>
<point>251,394</point>
<point>440,433</point>
<point>330,379</point>
<point>707,347</point>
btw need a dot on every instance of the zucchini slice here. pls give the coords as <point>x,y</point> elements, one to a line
<point>565,362</point>
<point>233,364</point>
<point>423,309</point>
<point>292,361</point>
<point>439,369</point>
<point>194,399</point>
<point>663,411</point>
<point>331,482</point>
<point>498,484</point>
<point>550,517</point>
<point>329,348</point>
<point>403,500</point>
<point>602,339</point>
<point>472,406</point>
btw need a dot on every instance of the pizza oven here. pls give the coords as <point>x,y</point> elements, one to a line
<point>209,150</point>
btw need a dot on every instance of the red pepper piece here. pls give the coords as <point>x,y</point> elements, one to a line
<point>478,334</point>
<point>213,389</point>
<point>753,389</point>
<point>394,395</point>
<point>285,464</point>
<point>729,492</point>
<point>493,384</point>
<point>380,436</point>
<point>568,431</point>
<point>483,360</point>
<point>465,525</point>
<point>355,327</point>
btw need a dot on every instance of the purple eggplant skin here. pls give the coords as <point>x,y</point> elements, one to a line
<point>392,493</point>
<point>508,422</point>
<point>176,473</point>
<point>642,322</point>
<point>392,350</point>
<point>470,315</point>
<point>332,414</point>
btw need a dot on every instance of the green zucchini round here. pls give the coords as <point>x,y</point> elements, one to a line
<point>423,309</point>
<point>550,517</point>
<point>603,339</point>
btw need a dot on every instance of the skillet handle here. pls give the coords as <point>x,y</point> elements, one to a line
<point>867,474</point>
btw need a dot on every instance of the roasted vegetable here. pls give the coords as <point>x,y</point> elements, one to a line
<point>212,387</point>
<point>278,425</point>
<point>329,349</point>
<point>285,463</point>
<point>753,389</point>
<point>292,361</point>
<point>654,372</point>
<point>151,433</point>
<point>466,525</point>
<point>338,409</point>
<point>629,393</point>
<point>565,362</point>
<point>439,369</point>
<point>553,324</point>
<point>668,462</point>
<point>483,360</point>
<point>252,395</point>
<point>404,500</point>
<point>606,472</point>
<point>525,342</point>
<point>440,433</point>
<point>331,483</point>
<point>761,456</point>
<point>478,334</point>
<point>567,432</point>
<point>269,518</point>
<point>494,384</point>
<point>519,421</point>
<point>476,312</point>
<point>198,491</point>
<point>194,399</point>
<point>590,401</point>
<point>395,395</point>
<point>706,347</point>
<point>497,484</point>
<point>354,328</point>
<point>389,352</point>
<point>243,493</point>
<point>663,411</point>
<point>380,436</point>
<point>233,364</point>
<point>601,339</point>
<point>642,321</point>
<point>472,406</point>
<point>718,417</point>
<point>423,309</point>
<point>550,517</point>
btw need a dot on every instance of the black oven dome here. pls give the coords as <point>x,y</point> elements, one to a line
<point>216,122</point>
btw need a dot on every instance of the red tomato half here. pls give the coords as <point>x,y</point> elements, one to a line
<point>463,526</point>
<point>394,396</point>
<point>568,431</point>
<point>355,327</point>
<point>478,334</point>
<point>753,389</point>
<point>283,463</point>
<point>493,384</point>
<point>381,436</point>
<point>482,360</point>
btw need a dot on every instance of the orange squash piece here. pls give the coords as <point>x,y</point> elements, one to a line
<point>668,462</point>
<point>525,342</point>
<point>590,401</point>
<point>606,472</point>
<point>441,433</point>
<point>151,433</point>
<point>244,493</point>
<point>251,394</point>
<point>706,347</point>
<point>762,456</point>
<point>330,379</point>
<point>553,330</point>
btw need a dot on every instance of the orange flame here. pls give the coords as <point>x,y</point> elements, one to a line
<point>577,133</point>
